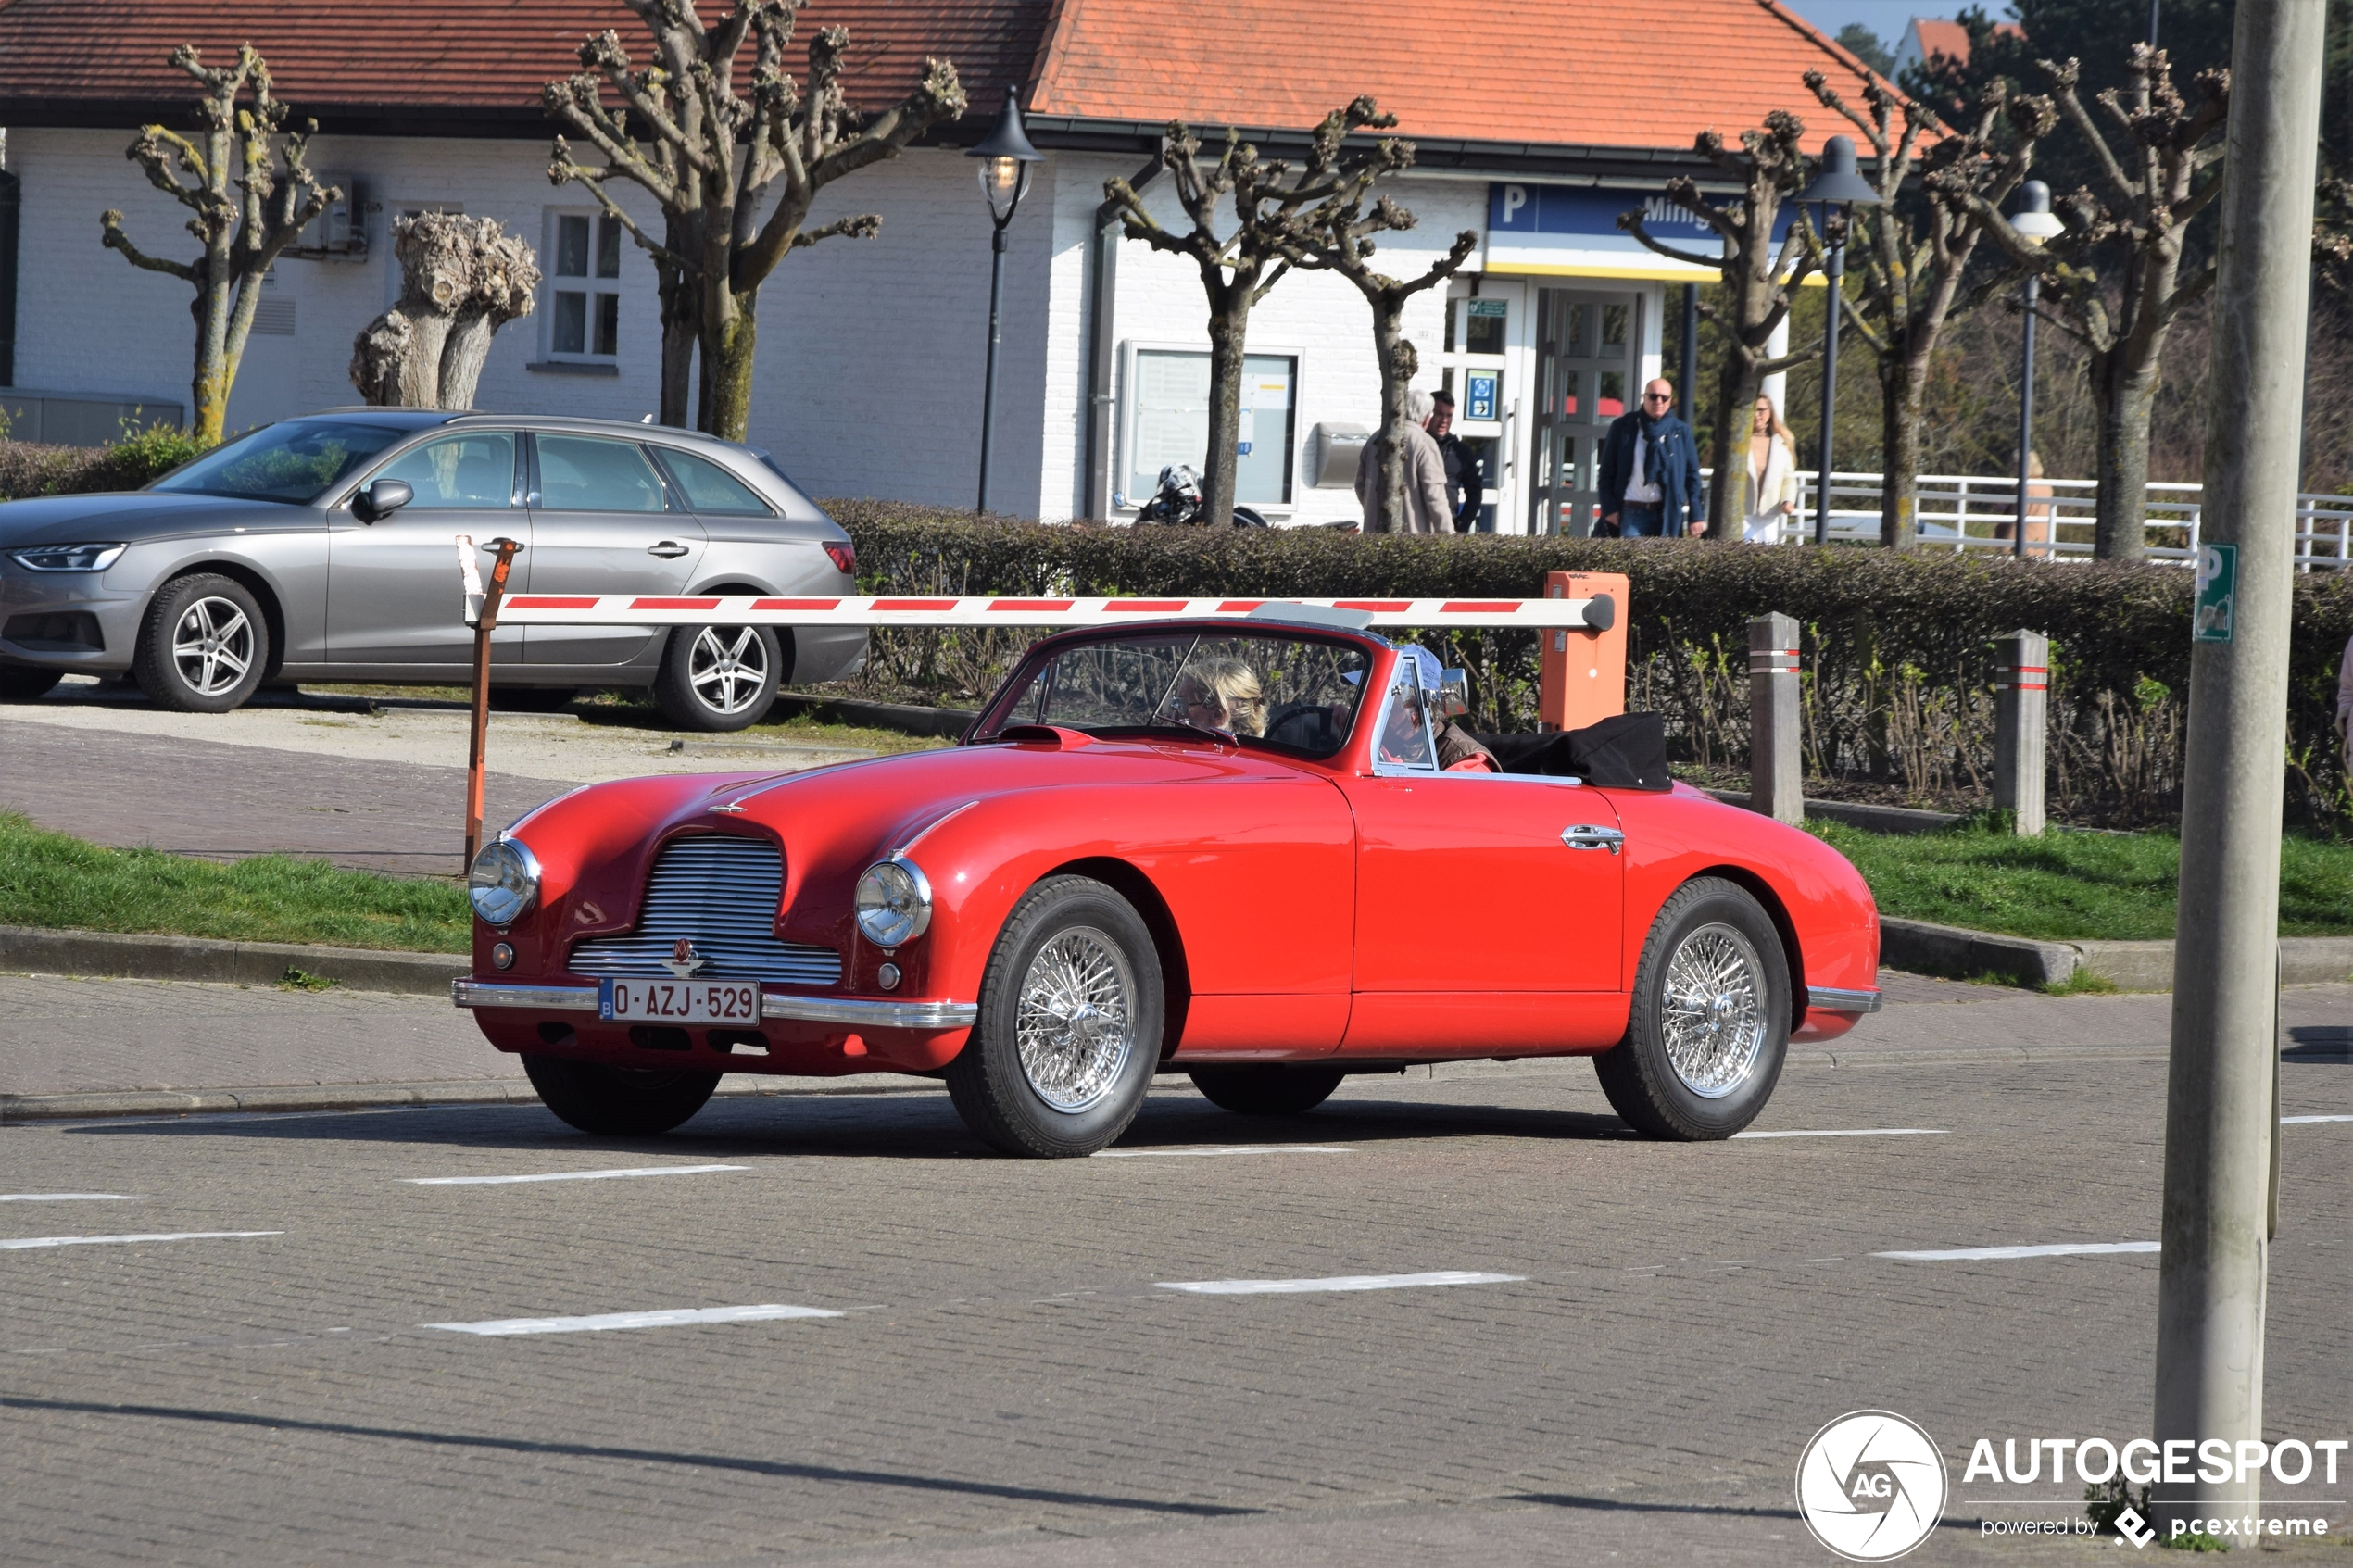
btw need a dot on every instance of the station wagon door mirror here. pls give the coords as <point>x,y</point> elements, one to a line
<point>381,499</point>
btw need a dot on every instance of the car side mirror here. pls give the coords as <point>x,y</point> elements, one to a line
<point>381,499</point>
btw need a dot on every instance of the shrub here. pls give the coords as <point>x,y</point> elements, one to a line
<point>1899,659</point>
<point>30,469</point>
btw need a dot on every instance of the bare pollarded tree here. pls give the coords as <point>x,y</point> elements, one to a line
<point>241,175</point>
<point>461,279</point>
<point>719,133</point>
<point>1267,221</point>
<point>1759,280</point>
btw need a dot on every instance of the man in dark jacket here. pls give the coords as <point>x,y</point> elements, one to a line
<point>1650,471</point>
<point>1466,484</point>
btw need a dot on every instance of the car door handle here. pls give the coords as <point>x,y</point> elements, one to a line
<point>1584,835</point>
<point>669,549</point>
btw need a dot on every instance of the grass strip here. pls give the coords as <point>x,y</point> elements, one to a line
<point>2073,886</point>
<point>53,879</point>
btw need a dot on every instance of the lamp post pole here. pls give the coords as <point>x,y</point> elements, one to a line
<point>1835,269</point>
<point>988,380</point>
<point>2033,290</point>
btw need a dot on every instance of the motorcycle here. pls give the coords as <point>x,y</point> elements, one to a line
<point>1178,499</point>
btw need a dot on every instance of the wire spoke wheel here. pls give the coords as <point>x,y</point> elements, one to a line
<point>212,644</point>
<point>1075,1020</point>
<point>1713,1014</point>
<point>727,668</point>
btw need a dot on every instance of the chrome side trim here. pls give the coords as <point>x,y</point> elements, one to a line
<point>545,998</point>
<point>1829,999</point>
<point>873,1015</point>
<point>929,828</point>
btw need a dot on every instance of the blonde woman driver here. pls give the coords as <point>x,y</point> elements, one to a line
<point>1223,694</point>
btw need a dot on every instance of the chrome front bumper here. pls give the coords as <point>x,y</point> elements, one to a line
<point>1822,998</point>
<point>467,993</point>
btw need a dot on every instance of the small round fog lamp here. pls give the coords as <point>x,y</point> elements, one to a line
<point>894,903</point>
<point>502,956</point>
<point>504,882</point>
<point>888,977</point>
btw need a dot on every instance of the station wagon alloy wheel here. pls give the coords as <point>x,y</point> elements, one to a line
<point>213,646</point>
<point>1714,1016</point>
<point>1074,1021</point>
<point>728,668</point>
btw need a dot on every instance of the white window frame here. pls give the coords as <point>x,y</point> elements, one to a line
<point>1294,461</point>
<point>590,284</point>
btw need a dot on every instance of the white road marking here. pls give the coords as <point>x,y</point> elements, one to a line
<point>15,1243</point>
<point>69,1198</point>
<point>2285,1121</point>
<point>570,1175</point>
<point>2055,1250</point>
<point>670,1317</point>
<point>1855,1132</point>
<point>1220,1149</point>
<point>1337,1281</point>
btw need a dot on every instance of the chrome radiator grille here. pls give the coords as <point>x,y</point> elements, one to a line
<point>721,895</point>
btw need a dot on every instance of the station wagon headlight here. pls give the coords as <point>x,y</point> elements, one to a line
<point>504,882</point>
<point>894,903</point>
<point>70,558</point>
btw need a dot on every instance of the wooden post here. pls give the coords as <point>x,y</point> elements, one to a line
<point>1776,771</point>
<point>1581,676</point>
<point>2021,710</point>
<point>485,621</point>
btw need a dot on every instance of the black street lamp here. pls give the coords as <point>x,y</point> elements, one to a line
<point>1005,156</point>
<point>2033,223</point>
<point>1835,185</point>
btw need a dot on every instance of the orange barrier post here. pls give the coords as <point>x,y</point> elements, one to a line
<point>485,621</point>
<point>1583,677</point>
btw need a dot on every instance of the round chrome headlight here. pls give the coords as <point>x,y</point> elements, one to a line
<point>894,903</point>
<point>504,882</point>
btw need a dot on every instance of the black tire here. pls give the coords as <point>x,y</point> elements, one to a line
<point>204,646</point>
<point>27,683</point>
<point>533,700</point>
<point>1268,1091</point>
<point>1077,1090</point>
<point>1702,1070</point>
<point>715,679</point>
<point>617,1102</point>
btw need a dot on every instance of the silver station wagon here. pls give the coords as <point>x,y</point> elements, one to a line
<point>321,549</point>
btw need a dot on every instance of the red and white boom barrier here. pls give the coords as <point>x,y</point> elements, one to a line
<point>1595,612</point>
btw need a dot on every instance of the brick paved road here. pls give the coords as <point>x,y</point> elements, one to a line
<point>1006,1383</point>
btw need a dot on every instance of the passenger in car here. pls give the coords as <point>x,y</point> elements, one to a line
<point>1224,694</point>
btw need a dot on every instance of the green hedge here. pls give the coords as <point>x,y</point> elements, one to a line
<point>30,469</point>
<point>1898,655</point>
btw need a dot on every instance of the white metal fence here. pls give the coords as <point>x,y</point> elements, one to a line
<point>1960,513</point>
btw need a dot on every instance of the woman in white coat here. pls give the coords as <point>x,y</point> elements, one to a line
<point>1772,476</point>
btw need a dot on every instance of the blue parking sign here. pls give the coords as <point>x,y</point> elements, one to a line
<point>1481,392</point>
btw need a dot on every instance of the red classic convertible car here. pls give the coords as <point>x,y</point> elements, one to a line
<point>1233,849</point>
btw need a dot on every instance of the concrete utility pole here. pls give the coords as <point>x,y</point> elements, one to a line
<point>2220,1113</point>
<point>1776,766</point>
<point>2021,708</point>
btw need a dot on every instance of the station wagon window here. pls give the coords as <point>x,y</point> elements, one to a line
<point>710,488</point>
<point>1269,691</point>
<point>583,474</point>
<point>474,471</point>
<point>294,462</point>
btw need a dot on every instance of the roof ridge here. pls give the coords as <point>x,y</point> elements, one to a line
<point>1838,52</point>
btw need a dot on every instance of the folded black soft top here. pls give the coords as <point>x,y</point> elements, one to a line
<point>1625,752</point>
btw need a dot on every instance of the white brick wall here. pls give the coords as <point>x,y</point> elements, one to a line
<point>871,352</point>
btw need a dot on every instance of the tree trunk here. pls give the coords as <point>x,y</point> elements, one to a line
<point>1387,449</point>
<point>2126,395</point>
<point>679,337</point>
<point>462,354</point>
<point>1902,390</point>
<point>727,358</point>
<point>1229,329</point>
<point>208,391</point>
<point>1737,388</point>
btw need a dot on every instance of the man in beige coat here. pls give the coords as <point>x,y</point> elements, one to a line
<point>1426,508</point>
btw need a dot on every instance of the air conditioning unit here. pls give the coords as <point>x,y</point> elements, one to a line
<point>339,233</point>
<point>1332,454</point>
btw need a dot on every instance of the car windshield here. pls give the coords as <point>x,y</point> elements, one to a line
<point>1291,691</point>
<point>294,462</point>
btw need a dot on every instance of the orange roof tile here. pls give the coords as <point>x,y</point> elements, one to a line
<point>1617,73</point>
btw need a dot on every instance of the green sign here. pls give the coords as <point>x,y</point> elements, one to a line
<point>2217,587</point>
<point>1489,306</point>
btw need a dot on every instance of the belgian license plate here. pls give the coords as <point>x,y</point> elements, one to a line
<point>678,1002</point>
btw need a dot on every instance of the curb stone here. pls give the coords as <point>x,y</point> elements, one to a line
<point>1921,947</point>
<point>140,956</point>
<point>906,718</point>
<point>109,1104</point>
